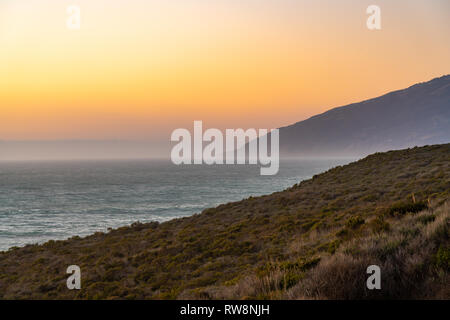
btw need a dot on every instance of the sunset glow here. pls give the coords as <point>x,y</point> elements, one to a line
<point>139,69</point>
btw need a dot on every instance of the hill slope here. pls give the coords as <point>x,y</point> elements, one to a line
<point>416,116</point>
<point>275,246</point>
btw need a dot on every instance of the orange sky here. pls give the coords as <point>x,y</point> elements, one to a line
<point>139,69</point>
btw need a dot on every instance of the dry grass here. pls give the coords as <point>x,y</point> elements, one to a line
<point>408,255</point>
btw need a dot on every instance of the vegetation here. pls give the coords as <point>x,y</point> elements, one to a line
<point>313,240</point>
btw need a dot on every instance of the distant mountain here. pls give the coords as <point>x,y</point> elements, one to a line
<point>416,116</point>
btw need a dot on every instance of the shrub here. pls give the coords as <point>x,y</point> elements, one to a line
<point>427,219</point>
<point>443,258</point>
<point>403,208</point>
<point>333,246</point>
<point>289,280</point>
<point>355,222</point>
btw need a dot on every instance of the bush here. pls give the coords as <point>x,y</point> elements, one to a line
<point>333,246</point>
<point>427,219</point>
<point>403,208</point>
<point>290,279</point>
<point>355,222</point>
<point>443,258</point>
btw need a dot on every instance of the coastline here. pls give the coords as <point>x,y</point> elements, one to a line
<point>227,248</point>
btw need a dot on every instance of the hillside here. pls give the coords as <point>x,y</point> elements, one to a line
<point>416,116</point>
<point>313,240</point>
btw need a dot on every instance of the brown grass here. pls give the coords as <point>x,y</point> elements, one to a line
<point>407,256</point>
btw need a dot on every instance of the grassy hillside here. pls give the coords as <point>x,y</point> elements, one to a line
<point>313,240</point>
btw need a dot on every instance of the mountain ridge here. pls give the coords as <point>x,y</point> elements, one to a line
<point>414,116</point>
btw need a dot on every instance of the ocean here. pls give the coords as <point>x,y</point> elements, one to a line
<point>45,200</point>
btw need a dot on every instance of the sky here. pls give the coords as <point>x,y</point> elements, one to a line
<point>137,70</point>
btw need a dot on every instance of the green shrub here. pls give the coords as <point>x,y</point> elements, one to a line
<point>403,208</point>
<point>342,233</point>
<point>290,279</point>
<point>333,246</point>
<point>443,258</point>
<point>354,222</point>
<point>427,219</point>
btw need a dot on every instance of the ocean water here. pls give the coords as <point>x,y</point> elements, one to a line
<point>45,200</point>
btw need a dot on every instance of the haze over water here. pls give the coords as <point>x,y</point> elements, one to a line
<point>49,200</point>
